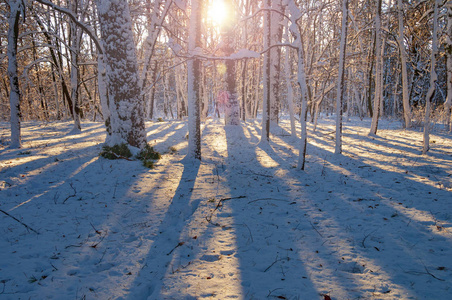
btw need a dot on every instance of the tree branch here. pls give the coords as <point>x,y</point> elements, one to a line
<point>14,218</point>
<point>73,17</point>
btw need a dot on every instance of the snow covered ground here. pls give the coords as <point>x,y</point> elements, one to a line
<point>374,223</point>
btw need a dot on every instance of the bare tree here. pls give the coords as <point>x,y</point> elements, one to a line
<point>276,29</point>
<point>194,81</point>
<point>378,70</point>
<point>127,115</point>
<point>232,111</point>
<point>340,81</point>
<point>433,79</point>
<point>265,136</point>
<point>16,9</point>
<point>288,73</point>
<point>448,103</point>
<point>76,37</point>
<point>295,15</point>
<point>403,59</point>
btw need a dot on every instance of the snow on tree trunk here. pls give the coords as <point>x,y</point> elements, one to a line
<point>76,35</point>
<point>357,100</point>
<point>275,58</point>
<point>149,44</point>
<point>265,137</point>
<point>340,81</point>
<point>288,72</point>
<point>295,14</point>
<point>16,7</point>
<point>194,81</point>
<point>403,58</point>
<point>448,103</point>
<point>181,92</point>
<point>244,110</point>
<point>382,80</point>
<point>154,21</point>
<point>433,79</point>
<point>103,93</point>
<point>232,107</point>
<point>126,109</point>
<point>304,104</point>
<point>378,70</point>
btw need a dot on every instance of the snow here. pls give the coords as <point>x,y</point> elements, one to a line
<point>244,223</point>
<point>244,53</point>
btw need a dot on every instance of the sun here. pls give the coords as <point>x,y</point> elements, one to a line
<point>217,12</point>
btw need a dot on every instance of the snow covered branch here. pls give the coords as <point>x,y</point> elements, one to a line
<point>74,18</point>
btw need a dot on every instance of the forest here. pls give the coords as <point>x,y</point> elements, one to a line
<point>225,149</point>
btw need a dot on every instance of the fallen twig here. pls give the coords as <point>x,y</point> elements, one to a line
<point>364,239</point>
<point>96,244</point>
<point>76,246</point>
<point>178,245</point>
<point>268,199</point>
<point>70,196</point>
<point>315,229</point>
<point>270,292</point>
<point>102,257</point>
<point>14,218</point>
<point>428,272</point>
<point>225,199</point>
<point>219,204</point>
<point>97,231</point>
<point>273,263</point>
<point>249,230</point>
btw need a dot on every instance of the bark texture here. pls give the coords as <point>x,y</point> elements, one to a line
<point>340,80</point>
<point>433,79</point>
<point>16,6</point>
<point>265,137</point>
<point>403,59</point>
<point>126,111</point>
<point>194,82</point>
<point>378,70</point>
<point>232,109</point>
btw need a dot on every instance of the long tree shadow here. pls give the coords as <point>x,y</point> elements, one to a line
<point>275,270</point>
<point>380,204</point>
<point>148,282</point>
<point>73,205</point>
<point>330,180</point>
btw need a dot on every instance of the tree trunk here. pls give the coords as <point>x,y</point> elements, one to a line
<point>433,79</point>
<point>232,107</point>
<point>16,6</point>
<point>151,101</point>
<point>304,104</point>
<point>340,81</point>
<point>378,70</point>
<point>76,36</point>
<point>448,103</point>
<point>194,81</point>
<point>370,69</point>
<point>288,72</point>
<point>265,136</point>
<point>296,31</point>
<point>403,59</point>
<point>102,87</point>
<point>275,58</point>
<point>127,114</point>
<point>244,91</point>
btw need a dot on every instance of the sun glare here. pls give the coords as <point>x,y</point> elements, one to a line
<point>217,12</point>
